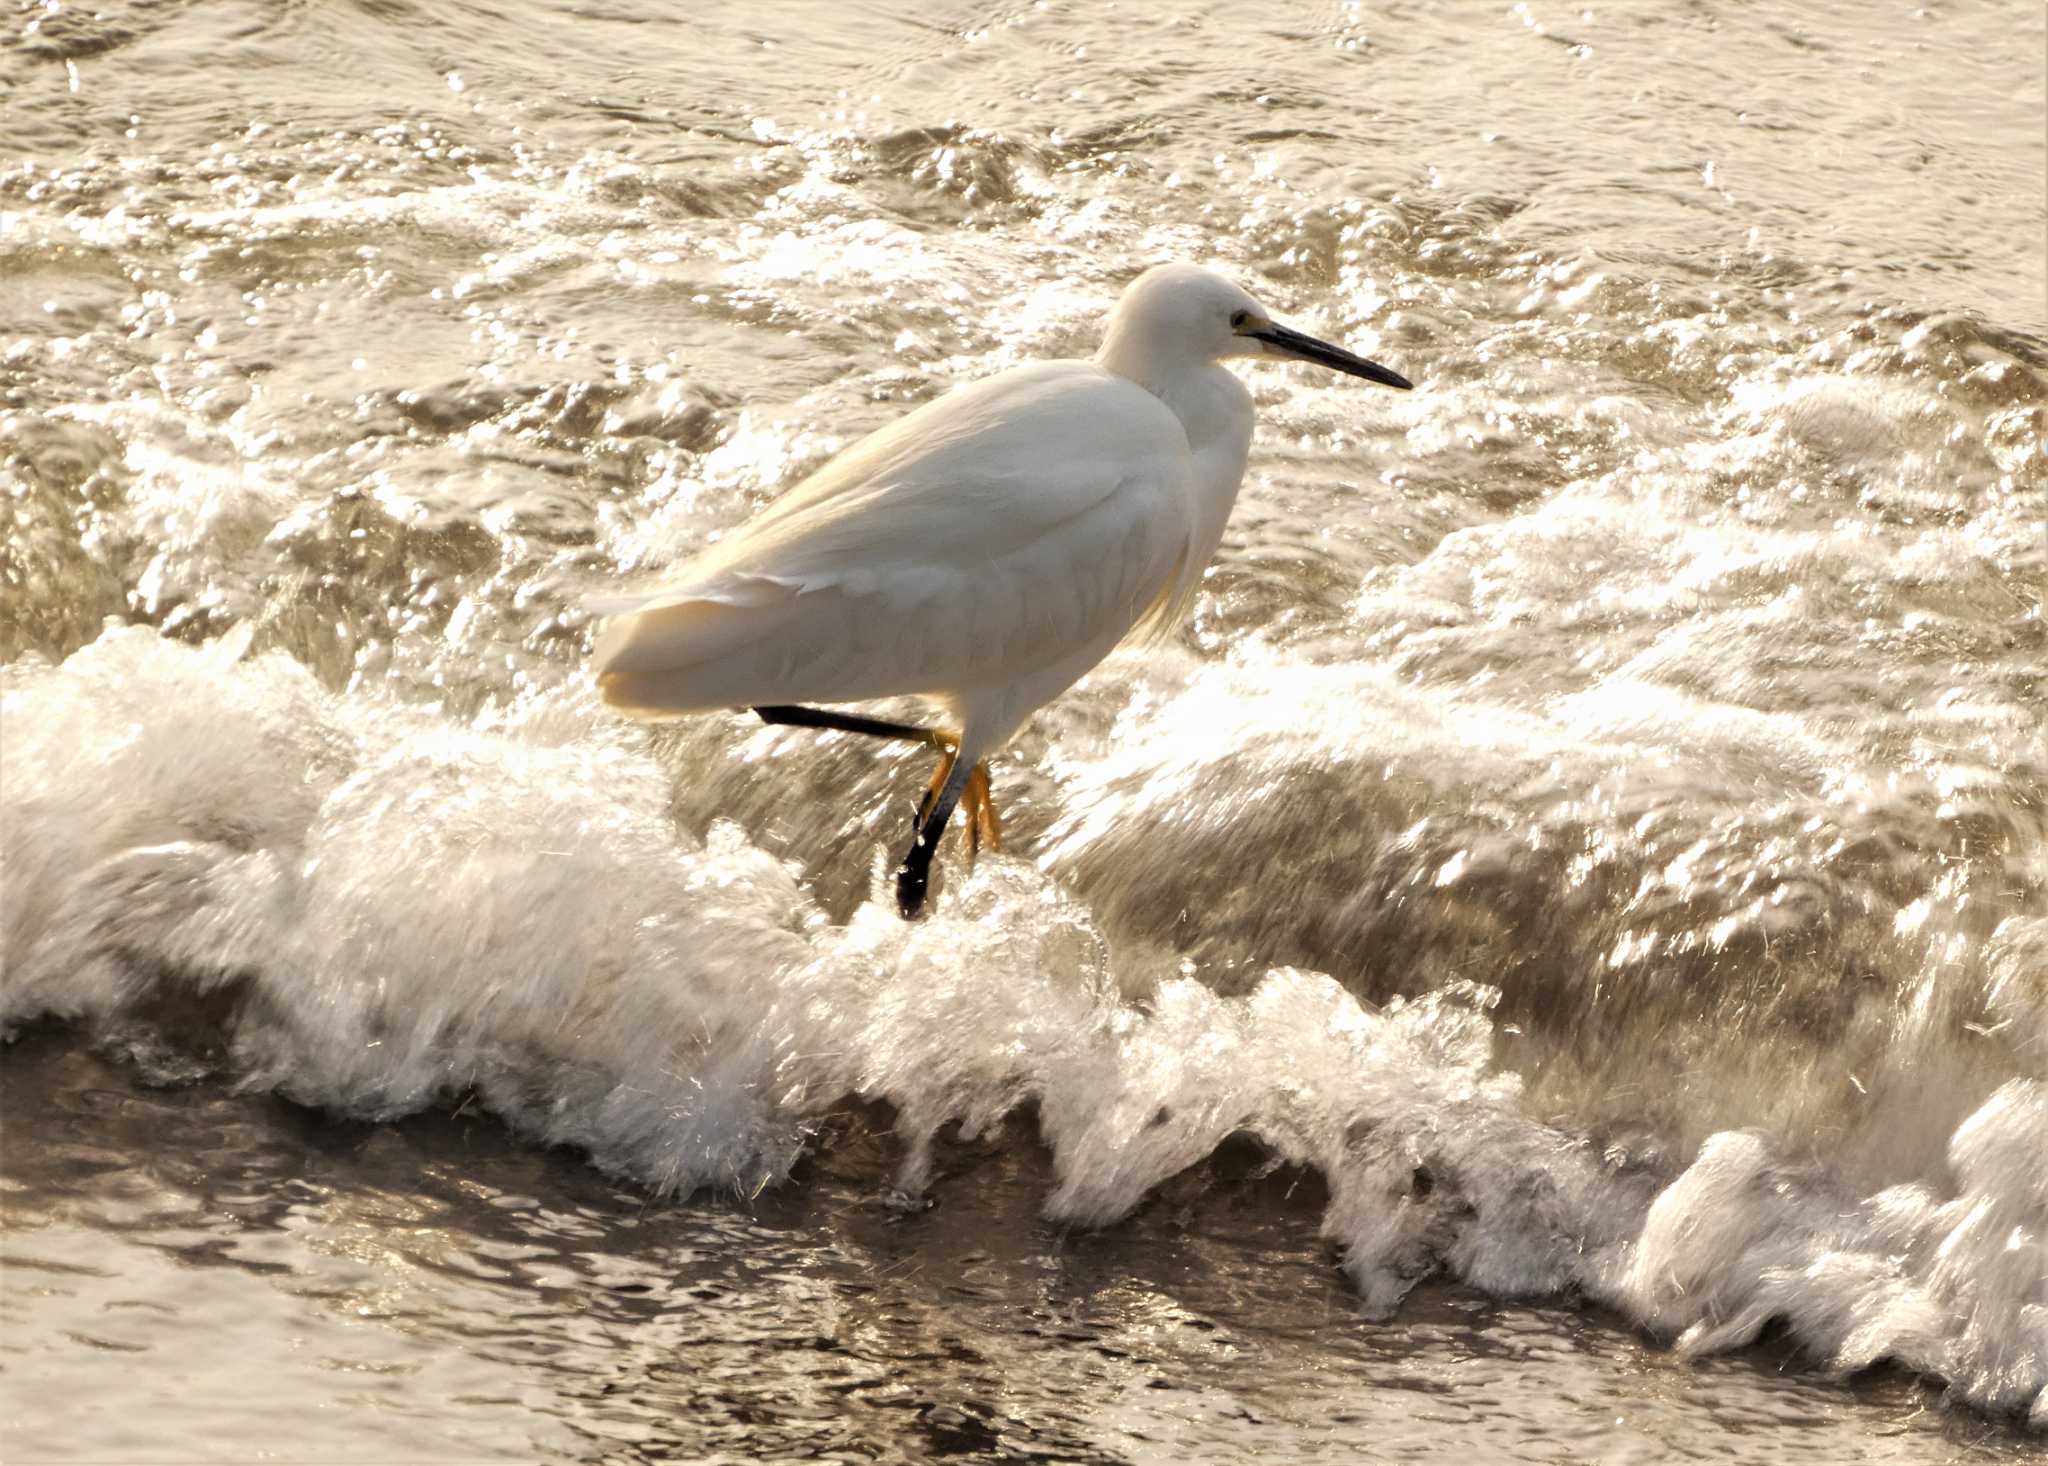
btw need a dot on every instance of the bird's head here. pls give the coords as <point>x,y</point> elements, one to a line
<point>1182,315</point>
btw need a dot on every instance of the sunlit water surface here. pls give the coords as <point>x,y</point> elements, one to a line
<point>1552,964</point>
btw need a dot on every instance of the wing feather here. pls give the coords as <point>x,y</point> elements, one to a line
<point>1002,525</point>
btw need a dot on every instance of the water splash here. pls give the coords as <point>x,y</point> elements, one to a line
<point>213,861</point>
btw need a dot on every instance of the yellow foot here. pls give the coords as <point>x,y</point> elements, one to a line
<point>981,824</point>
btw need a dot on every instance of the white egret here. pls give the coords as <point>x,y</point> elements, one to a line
<point>982,553</point>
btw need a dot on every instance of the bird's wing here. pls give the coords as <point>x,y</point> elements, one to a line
<point>982,471</point>
<point>992,526</point>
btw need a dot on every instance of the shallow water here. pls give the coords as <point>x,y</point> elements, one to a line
<point>428,1293</point>
<point>1553,962</point>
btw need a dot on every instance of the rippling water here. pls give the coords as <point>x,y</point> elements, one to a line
<point>1552,963</point>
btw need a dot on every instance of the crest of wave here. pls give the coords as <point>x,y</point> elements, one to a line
<point>373,910</point>
<point>368,909</point>
<point>1005,998</point>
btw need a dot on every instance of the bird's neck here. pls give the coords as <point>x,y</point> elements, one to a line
<point>1146,356</point>
<point>1213,406</point>
<point>1215,411</point>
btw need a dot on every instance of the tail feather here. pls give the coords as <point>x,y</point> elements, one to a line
<point>642,694</point>
<point>653,660</point>
<point>667,637</point>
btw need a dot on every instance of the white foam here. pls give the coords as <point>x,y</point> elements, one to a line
<point>399,911</point>
<point>409,911</point>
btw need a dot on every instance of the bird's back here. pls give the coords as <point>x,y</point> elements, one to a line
<point>980,537</point>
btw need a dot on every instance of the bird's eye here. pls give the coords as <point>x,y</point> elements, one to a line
<point>1240,319</point>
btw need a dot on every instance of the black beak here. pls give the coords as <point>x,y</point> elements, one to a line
<point>1322,353</point>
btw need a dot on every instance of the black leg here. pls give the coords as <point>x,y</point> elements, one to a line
<point>914,875</point>
<point>931,794</point>
<point>802,717</point>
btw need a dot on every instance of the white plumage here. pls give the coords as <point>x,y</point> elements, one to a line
<point>982,552</point>
<point>985,535</point>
